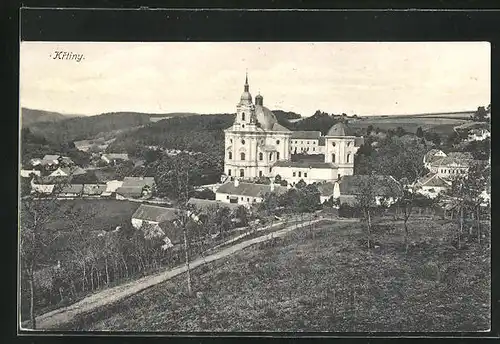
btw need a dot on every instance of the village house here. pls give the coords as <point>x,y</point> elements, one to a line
<point>111,187</point>
<point>93,190</point>
<point>136,187</point>
<point>432,185</point>
<point>113,158</point>
<point>386,188</point>
<point>325,191</point>
<point>246,193</point>
<point>83,145</point>
<point>432,155</point>
<point>204,205</point>
<point>478,135</point>
<point>71,191</point>
<point>29,173</point>
<point>308,171</point>
<point>68,171</point>
<point>158,221</point>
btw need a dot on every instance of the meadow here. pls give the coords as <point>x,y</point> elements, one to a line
<point>322,279</point>
<point>441,125</point>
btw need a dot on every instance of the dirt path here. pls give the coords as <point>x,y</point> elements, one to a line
<point>63,315</point>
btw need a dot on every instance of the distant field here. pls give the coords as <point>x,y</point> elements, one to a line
<point>440,125</point>
<point>325,280</point>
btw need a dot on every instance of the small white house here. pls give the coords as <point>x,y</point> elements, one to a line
<point>112,186</point>
<point>245,193</point>
<point>28,173</point>
<point>432,185</point>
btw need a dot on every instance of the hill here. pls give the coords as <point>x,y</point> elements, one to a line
<point>81,128</point>
<point>32,116</point>
<point>321,280</point>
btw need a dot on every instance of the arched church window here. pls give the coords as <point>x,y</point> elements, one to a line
<point>277,142</point>
<point>231,140</point>
<point>230,155</point>
<point>333,157</point>
<point>333,144</point>
<point>277,155</point>
<point>242,142</point>
<point>348,158</point>
<point>229,172</point>
<point>261,156</point>
<point>243,126</point>
<point>243,116</point>
<point>242,173</point>
<point>242,155</point>
<point>270,156</point>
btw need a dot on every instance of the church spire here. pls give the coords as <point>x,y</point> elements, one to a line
<point>246,82</point>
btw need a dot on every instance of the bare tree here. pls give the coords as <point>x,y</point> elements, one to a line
<point>366,202</point>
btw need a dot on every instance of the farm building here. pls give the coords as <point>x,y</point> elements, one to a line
<point>136,187</point>
<point>157,222</point>
<point>431,185</point>
<point>245,193</point>
<point>349,187</point>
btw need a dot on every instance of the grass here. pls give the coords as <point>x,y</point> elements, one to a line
<point>440,125</point>
<point>324,280</point>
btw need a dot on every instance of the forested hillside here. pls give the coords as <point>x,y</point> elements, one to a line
<point>320,121</point>
<point>194,133</point>
<point>81,128</point>
<point>32,116</point>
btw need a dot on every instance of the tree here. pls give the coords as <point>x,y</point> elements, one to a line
<point>481,113</point>
<point>420,132</point>
<point>369,130</point>
<point>366,202</point>
<point>241,214</point>
<point>35,237</point>
<point>301,184</point>
<point>277,179</point>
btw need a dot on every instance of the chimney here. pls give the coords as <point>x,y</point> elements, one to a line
<point>236,182</point>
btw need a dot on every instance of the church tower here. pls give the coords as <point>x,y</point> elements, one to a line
<point>255,141</point>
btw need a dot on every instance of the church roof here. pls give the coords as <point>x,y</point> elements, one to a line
<point>313,135</point>
<point>383,185</point>
<point>433,180</point>
<point>279,127</point>
<point>265,117</point>
<point>340,129</point>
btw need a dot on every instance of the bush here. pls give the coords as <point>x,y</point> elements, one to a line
<point>345,210</point>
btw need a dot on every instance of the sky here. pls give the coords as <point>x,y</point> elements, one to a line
<point>353,78</point>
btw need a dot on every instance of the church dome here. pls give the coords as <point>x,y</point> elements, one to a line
<point>265,117</point>
<point>340,129</point>
<point>246,97</point>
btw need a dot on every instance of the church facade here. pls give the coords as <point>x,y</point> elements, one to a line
<point>256,145</point>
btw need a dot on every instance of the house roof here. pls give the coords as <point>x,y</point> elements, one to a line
<point>155,213</point>
<point>432,180</point>
<point>325,189</point>
<point>321,141</point>
<point>449,160</point>
<point>305,164</point>
<point>312,135</point>
<point>133,191</point>
<point>116,156</point>
<point>138,181</point>
<point>383,185</point>
<point>49,157</point>
<point>207,204</point>
<point>72,188</point>
<point>431,155</point>
<point>94,189</point>
<point>249,189</point>
<point>460,155</point>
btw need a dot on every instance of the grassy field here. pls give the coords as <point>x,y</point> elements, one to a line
<point>440,125</point>
<point>321,280</point>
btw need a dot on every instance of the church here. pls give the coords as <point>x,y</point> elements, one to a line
<point>256,145</point>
